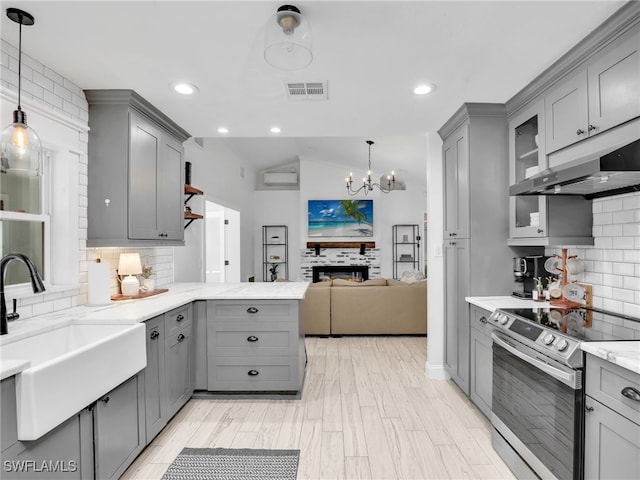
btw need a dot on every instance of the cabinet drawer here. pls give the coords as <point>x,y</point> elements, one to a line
<point>258,310</point>
<point>606,381</point>
<point>254,374</point>
<point>177,319</point>
<point>263,338</point>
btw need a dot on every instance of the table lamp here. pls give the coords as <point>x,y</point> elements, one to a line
<point>130,266</point>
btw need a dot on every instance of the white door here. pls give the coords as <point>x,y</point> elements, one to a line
<point>222,240</point>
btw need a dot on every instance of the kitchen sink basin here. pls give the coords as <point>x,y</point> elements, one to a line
<point>71,367</point>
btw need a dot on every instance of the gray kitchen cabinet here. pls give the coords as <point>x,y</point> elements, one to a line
<point>541,220</point>
<point>476,209</point>
<point>118,426</point>
<point>168,376</point>
<point>255,346</point>
<point>199,332</point>
<point>604,94</point>
<point>455,153</point>
<point>481,360</point>
<point>612,421</point>
<point>136,172</point>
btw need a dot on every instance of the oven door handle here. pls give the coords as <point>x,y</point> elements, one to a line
<point>568,378</point>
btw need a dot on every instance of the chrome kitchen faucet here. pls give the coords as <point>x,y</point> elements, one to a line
<point>36,284</point>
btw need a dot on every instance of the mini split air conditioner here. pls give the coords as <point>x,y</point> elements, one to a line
<point>283,178</point>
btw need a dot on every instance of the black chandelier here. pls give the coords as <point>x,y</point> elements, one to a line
<point>368,183</point>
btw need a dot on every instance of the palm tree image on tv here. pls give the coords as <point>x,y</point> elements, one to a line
<point>340,218</point>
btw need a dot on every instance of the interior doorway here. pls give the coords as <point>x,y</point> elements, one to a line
<point>222,244</point>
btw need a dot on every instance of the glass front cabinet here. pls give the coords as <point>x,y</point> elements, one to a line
<point>527,214</point>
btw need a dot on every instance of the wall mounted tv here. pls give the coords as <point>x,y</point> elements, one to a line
<point>340,218</point>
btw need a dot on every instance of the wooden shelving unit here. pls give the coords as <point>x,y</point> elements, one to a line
<point>190,191</point>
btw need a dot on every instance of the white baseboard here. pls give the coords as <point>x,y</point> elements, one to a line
<point>436,372</point>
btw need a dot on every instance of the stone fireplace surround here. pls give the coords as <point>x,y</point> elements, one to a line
<point>339,257</point>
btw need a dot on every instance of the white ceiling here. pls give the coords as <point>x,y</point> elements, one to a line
<point>372,53</point>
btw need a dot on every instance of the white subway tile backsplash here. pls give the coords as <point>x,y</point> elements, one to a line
<point>602,218</point>
<point>623,295</point>
<point>603,243</point>
<point>632,283</point>
<point>611,204</point>
<point>613,230</point>
<point>624,216</point>
<point>612,255</point>
<point>612,280</point>
<point>631,229</point>
<point>623,269</point>
<point>630,201</point>
<point>623,242</point>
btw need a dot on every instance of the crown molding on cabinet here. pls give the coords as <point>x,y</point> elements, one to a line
<point>470,110</point>
<point>624,19</point>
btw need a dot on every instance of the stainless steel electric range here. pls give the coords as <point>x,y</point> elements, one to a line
<point>538,395</point>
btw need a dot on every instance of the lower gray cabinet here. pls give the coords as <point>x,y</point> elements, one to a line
<point>118,423</point>
<point>169,375</point>
<point>481,360</point>
<point>612,421</point>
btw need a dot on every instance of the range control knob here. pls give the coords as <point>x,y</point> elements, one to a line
<point>549,338</point>
<point>503,319</point>
<point>562,345</point>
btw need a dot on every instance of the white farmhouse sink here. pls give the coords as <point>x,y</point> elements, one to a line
<point>71,367</point>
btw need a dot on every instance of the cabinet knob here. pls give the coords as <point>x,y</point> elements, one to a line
<point>483,319</point>
<point>588,408</point>
<point>580,132</point>
<point>181,337</point>
<point>452,243</point>
<point>592,128</point>
<point>179,318</point>
<point>155,334</point>
<point>631,393</point>
<point>252,310</point>
<point>540,230</point>
<point>105,400</point>
<point>252,338</point>
<point>253,373</point>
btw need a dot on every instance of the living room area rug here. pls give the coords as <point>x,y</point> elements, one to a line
<point>233,464</point>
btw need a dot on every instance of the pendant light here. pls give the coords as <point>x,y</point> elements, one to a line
<point>287,43</point>
<point>21,146</point>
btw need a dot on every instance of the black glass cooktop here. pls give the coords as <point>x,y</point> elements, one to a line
<point>581,323</point>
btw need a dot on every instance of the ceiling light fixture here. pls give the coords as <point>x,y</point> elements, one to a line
<point>223,130</point>
<point>21,146</point>
<point>367,183</point>
<point>424,89</point>
<point>275,130</point>
<point>184,88</point>
<point>287,41</point>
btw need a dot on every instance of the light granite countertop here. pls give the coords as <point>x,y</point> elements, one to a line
<point>505,301</point>
<point>139,310</point>
<point>623,353</point>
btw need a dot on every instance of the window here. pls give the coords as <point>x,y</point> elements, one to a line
<point>24,221</point>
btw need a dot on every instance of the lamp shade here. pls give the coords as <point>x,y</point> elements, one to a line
<point>287,44</point>
<point>129,264</point>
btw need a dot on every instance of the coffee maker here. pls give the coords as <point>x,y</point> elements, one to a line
<point>525,271</point>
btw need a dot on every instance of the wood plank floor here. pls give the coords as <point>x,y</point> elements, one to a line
<point>367,412</point>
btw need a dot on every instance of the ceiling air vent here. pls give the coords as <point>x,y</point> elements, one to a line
<point>307,91</point>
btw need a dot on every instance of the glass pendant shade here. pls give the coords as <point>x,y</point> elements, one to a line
<point>21,148</point>
<point>287,44</point>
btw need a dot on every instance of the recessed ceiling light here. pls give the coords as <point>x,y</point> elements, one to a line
<point>184,88</point>
<point>424,89</point>
<point>223,130</point>
<point>275,129</point>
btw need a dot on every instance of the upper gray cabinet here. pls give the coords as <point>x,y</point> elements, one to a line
<point>600,96</point>
<point>136,172</point>
<point>455,151</point>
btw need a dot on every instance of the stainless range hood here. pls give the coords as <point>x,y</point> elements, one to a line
<point>611,174</point>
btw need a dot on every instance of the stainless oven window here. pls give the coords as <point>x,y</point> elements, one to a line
<point>541,411</point>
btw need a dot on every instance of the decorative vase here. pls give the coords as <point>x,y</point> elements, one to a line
<point>149,284</point>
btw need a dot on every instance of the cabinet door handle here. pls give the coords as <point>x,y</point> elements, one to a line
<point>588,408</point>
<point>452,243</point>
<point>252,310</point>
<point>631,393</point>
<point>155,334</point>
<point>253,373</point>
<point>580,132</point>
<point>179,318</point>
<point>181,337</point>
<point>252,338</point>
<point>483,319</point>
<point>454,234</point>
<point>592,128</point>
<point>105,400</point>
<point>540,230</point>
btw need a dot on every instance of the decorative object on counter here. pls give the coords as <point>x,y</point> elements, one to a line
<point>148,283</point>
<point>21,147</point>
<point>287,40</point>
<point>573,294</point>
<point>98,283</point>
<point>36,285</point>
<point>129,266</point>
<point>368,183</point>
